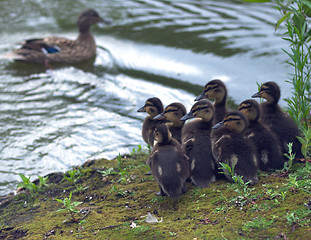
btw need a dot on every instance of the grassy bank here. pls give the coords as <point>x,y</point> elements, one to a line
<point>111,198</point>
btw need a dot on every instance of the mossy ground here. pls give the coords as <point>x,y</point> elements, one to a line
<point>272,209</point>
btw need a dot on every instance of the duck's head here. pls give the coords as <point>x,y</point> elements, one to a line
<point>173,113</point>
<point>234,121</point>
<point>162,134</point>
<point>153,106</point>
<point>87,18</point>
<point>214,89</point>
<point>269,91</point>
<point>202,109</point>
<point>250,108</point>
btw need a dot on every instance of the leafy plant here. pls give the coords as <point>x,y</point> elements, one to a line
<point>258,223</point>
<point>74,175</point>
<point>69,206</point>
<point>27,183</point>
<point>33,188</point>
<point>306,142</point>
<point>300,216</point>
<point>294,14</point>
<point>291,156</point>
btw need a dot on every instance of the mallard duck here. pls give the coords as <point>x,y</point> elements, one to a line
<point>230,146</point>
<point>278,121</point>
<point>153,106</point>
<point>217,90</point>
<point>196,143</point>
<point>51,50</point>
<point>168,164</point>
<point>173,113</point>
<point>266,142</point>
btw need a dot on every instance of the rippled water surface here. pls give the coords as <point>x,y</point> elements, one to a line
<point>51,119</point>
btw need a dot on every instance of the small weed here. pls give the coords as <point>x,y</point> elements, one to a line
<point>70,206</point>
<point>109,171</point>
<point>291,156</point>
<point>172,234</point>
<point>33,188</point>
<point>119,192</point>
<point>300,216</point>
<point>306,142</point>
<point>140,229</point>
<point>137,150</point>
<point>258,223</point>
<point>74,175</point>
<point>157,199</point>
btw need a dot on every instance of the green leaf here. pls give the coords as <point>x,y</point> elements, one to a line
<point>278,23</point>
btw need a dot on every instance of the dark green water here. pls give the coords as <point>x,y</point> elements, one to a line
<point>53,119</point>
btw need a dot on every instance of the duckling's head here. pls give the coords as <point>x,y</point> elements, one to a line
<point>234,121</point>
<point>173,113</point>
<point>214,89</point>
<point>202,109</point>
<point>153,106</point>
<point>162,134</point>
<point>250,108</point>
<point>88,18</point>
<point>269,91</point>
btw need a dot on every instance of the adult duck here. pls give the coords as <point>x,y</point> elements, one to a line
<point>54,49</point>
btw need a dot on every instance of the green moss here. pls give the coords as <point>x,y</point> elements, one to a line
<point>111,205</point>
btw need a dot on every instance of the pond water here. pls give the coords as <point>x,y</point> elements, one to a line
<point>52,119</point>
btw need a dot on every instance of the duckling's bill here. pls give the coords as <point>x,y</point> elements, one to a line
<point>218,125</point>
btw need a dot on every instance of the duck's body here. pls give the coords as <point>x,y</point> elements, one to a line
<point>276,120</point>
<point>153,106</point>
<point>196,143</point>
<point>168,164</point>
<point>53,49</point>
<point>230,146</point>
<point>173,113</point>
<point>266,142</point>
<point>217,90</point>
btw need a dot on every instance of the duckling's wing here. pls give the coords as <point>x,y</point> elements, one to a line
<point>152,158</point>
<point>187,146</point>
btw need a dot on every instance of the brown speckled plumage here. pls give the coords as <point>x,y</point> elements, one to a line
<point>70,51</point>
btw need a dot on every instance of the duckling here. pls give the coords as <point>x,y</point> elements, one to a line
<point>153,106</point>
<point>278,121</point>
<point>173,114</point>
<point>196,143</point>
<point>266,142</point>
<point>229,146</point>
<point>216,89</point>
<point>168,164</point>
<point>61,50</point>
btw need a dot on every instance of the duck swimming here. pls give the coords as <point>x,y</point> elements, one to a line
<point>216,89</point>
<point>173,114</point>
<point>196,143</point>
<point>230,146</point>
<point>153,106</point>
<point>54,49</point>
<point>266,142</point>
<point>278,121</point>
<point>168,163</point>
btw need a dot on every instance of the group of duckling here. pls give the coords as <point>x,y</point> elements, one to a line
<point>254,137</point>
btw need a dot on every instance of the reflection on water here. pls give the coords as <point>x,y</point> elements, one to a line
<point>53,119</point>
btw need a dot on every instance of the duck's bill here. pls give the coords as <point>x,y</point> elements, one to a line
<point>187,116</point>
<point>218,125</point>
<point>142,109</point>
<point>201,96</point>
<point>256,95</point>
<point>159,116</point>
